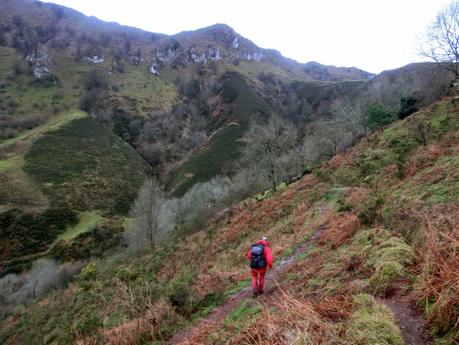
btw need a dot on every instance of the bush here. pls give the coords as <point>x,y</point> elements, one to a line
<point>180,291</point>
<point>377,117</point>
<point>369,208</point>
<point>87,325</point>
<point>96,86</point>
<point>86,276</point>
<point>408,106</point>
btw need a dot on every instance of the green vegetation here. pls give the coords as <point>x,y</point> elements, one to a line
<point>408,106</point>
<point>372,323</point>
<point>24,233</point>
<point>347,261</point>
<point>389,259</point>
<point>95,242</point>
<point>87,221</point>
<point>243,314</point>
<point>378,117</point>
<point>224,144</point>
<point>143,91</point>
<point>371,214</point>
<point>87,167</point>
<point>21,94</point>
<point>52,124</point>
<point>314,92</point>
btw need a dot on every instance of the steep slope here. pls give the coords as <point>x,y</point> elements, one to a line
<point>378,219</point>
<point>86,167</point>
<point>243,103</point>
<point>176,107</point>
<point>160,92</point>
<point>67,167</point>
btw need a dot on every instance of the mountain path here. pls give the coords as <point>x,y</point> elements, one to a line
<point>220,312</point>
<point>413,327</point>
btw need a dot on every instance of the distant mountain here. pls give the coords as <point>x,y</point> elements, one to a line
<point>87,37</point>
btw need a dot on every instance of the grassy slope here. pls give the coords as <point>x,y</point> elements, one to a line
<point>19,191</point>
<point>87,221</point>
<point>86,166</point>
<point>224,144</point>
<point>363,249</point>
<point>138,93</point>
<point>141,92</point>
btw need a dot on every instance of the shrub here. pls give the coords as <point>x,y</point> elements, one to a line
<point>96,85</point>
<point>408,106</point>
<point>378,117</point>
<point>86,276</point>
<point>368,210</point>
<point>180,291</point>
<point>201,202</point>
<point>437,289</point>
<point>87,324</point>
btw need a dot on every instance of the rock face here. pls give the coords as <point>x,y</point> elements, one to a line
<point>154,69</point>
<point>39,60</point>
<point>235,43</point>
<point>215,43</point>
<point>94,59</point>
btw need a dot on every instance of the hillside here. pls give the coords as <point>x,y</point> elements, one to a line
<point>367,238</point>
<point>163,94</point>
<point>90,111</point>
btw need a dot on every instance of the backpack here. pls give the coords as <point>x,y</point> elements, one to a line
<point>258,257</point>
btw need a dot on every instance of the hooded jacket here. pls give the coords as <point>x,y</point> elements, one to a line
<point>268,255</point>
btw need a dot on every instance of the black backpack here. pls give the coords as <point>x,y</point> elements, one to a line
<point>258,257</point>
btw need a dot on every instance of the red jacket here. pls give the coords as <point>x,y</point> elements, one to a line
<point>268,255</point>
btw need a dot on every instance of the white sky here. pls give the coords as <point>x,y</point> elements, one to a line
<point>373,35</point>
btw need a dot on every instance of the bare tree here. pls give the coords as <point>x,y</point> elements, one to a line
<point>145,214</point>
<point>350,115</point>
<point>265,144</point>
<point>200,203</point>
<point>441,42</point>
<point>330,136</point>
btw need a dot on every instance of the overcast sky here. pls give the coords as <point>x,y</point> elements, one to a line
<point>373,35</point>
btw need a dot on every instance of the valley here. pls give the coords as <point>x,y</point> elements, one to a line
<point>136,169</point>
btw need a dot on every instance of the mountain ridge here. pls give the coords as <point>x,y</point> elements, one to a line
<point>251,51</point>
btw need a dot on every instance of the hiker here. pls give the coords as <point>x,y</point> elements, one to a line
<point>260,258</point>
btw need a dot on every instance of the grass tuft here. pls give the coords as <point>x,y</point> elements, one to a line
<point>372,323</point>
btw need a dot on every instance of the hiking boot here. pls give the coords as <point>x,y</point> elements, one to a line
<point>260,292</point>
<point>255,294</point>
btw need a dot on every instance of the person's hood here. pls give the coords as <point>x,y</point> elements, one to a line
<point>265,243</point>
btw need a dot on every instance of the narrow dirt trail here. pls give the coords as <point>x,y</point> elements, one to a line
<point>413,327</point>
<point>191,334</point>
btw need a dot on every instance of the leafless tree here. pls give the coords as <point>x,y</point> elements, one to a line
<point>330,136</point>
<point>145,214</point>
<point>350,115</point>
<point>200,203</point>
<point>265,144</point>
<point>441,42</point>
